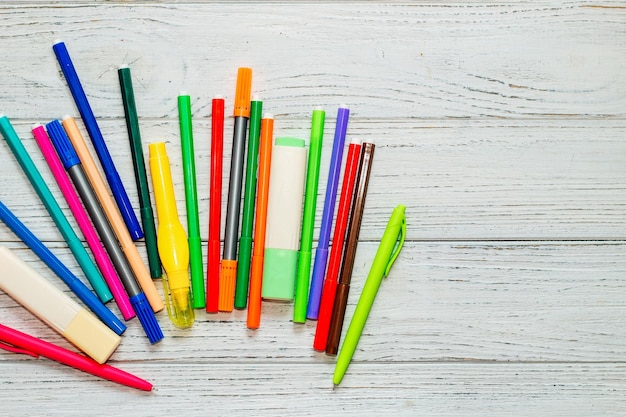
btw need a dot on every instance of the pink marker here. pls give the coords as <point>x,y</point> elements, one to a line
<point>100,255</point>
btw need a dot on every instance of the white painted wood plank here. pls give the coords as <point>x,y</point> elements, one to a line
<point>244,389</point>
<point>459,179</point>
<point>529,301</point>
<point>439,61</point>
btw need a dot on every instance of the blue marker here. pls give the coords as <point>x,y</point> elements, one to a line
<point>121,198</point>
<point>76,285</point>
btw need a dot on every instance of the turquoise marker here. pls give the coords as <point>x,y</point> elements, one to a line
<point>308,218</point>
<point>35,178</point>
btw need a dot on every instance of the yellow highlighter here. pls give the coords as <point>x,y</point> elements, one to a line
<point>171,240</point>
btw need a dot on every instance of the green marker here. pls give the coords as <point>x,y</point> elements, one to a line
<point>308,218</point>
<point>245,242</point>
<point>191,197</point>
<point>36,180</point>
<point>139,165</point>
<point>388,250</point>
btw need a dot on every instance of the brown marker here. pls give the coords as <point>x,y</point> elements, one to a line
<point>343,286</point>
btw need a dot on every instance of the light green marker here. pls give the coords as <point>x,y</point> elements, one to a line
<point>388,250</point>
<point>308,218</point>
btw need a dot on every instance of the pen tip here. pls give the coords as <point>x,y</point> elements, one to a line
<point>57,41</point>
<point>123,66</point>
<point>35,126</point>
<point>218,97</point>
<point>355,141</point>
<point>67,116</point>
<point>268,116</point>
<point>183,93</point>
<point>256,97</point>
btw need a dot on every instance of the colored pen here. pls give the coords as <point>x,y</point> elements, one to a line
<point>101,257</point>
<point>73,283</point>
<point>284,217</point>
<point>247,219</point>
<point>336,252</point>
<point>60,312</point>
<point>256,267</point>
<point>36,180</point>
<point>352,240</point>
<point>121,232</point>
<point>321,254</point>
<point>17,342</point>
<point>139,166</point>
<point>229,259</point>
<point>215,208</point>
<point>191,198</point>
<point>173,246</point>
<point>388,250</point>
<point>115,182</point>
<point>83,186</point>
<point>308,219</point>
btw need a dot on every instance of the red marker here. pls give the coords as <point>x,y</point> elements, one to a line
<point>215,208</point>
<point>336,251</point>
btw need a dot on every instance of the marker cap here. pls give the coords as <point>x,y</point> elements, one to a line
<point>279,274</point>
<point>85,331</point>
<point>242,93</point>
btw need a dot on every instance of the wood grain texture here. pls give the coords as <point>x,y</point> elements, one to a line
<point>499,125</point>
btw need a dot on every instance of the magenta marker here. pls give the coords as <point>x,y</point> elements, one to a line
<point>321,255</point>
<point>101,257</point>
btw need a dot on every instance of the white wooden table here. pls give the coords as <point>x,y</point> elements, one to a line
<point>501,127</point>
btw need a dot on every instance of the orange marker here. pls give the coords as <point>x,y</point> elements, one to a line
<point>110,209</point>
<point>256,268</point>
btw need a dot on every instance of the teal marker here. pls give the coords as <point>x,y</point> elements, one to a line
<point>247,219</point>
<point>388,250</point>
<point>35,178</point>
<point>191,197</point>
<point>308,218</point>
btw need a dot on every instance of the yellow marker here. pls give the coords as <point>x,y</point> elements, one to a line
<point>171,240</point>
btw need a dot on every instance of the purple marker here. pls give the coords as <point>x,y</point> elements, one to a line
<point>321,254</point>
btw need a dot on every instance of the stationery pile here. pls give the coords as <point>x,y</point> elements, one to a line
<point>266,255</point>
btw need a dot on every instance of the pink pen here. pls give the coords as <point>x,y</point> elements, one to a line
<point>100,255</point>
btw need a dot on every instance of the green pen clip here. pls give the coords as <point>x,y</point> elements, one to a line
<point>397,248</point>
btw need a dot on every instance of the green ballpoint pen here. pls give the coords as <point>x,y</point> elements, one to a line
<point>191,197</point>
<point>139,165</point>
<point>247,222</point>
<point>310,199</point>
<point>388,250</point>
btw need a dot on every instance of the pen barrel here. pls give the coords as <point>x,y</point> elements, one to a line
<point>217,150</point>
<point>149,230</point>
<point>256,284</point>
<point>101,223</point>
<point>233,204</point>
<point>325,315</point>
<point>336,324</point>
<point>243,272</point>
<point>317,282</point>
<point>139,167</point>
